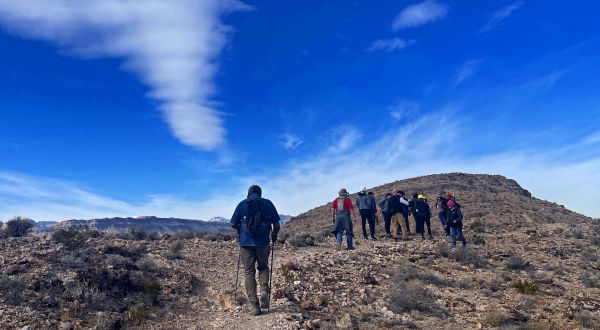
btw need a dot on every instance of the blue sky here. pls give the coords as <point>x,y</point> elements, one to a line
<point>120,108</point>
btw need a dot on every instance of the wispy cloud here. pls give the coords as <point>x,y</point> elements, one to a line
<point>499,16</point>
<point>546,82</point>
<point>467,70</point>
<point>172,45</point>
<point>389,45</point>
<point>419,14</point>
<point>343,138</point>
<point>290,141</point>
<point>403,109</point>
<point>305,183</point>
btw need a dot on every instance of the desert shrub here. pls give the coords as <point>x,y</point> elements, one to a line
<point>516,263</point>
<point>139,313</point>
<point>588,320</point>
<point>117,261</point>
<point>494,318</point>
<point>527,304</point>
<point>466,255</point>
<point>284,235</point>
<point>588,257</point>
<point>153,236</point>
<point>525,287</point>
<point>146,263</point>
<point>72,260</point>
<point>595,240</point>
<point>406,296</point>
<point>578,234</point>
<point>591,280</point>
<point>175,249</point>
<point>91,233</point>
<point>441,249</point>
<point>184,235</point>
<point>478,240</point>
<point>152,290</point>
<point>477,226</point>
<point>137,233</point>
<point>496,284</point>
<point>11,288</point>
<point>301,240</point>
<point>212,236</point>
<point>70,238</point>
<point>18,227</point>
<point>107,321</point>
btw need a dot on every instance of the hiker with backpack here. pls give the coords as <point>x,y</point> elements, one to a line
<point>342,213</point>
<point>441,205</point>
<point>396,205</point>
<point>422,213</point>
<point>256,220</point>
<point>404,205</point>
<point>455,222</point>
<point>364,205</point>
<point>387,213</point>
<point>373,205</point>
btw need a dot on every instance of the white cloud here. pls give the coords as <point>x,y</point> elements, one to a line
<point>466,71</point>
<point>172,45</point>
<point>404,151</point>
<point>403,109</point>
<point>419,14</point>
<point>343,138</point>
<point>389,45</point>
<point>290,141</point>
<point>500,16</point>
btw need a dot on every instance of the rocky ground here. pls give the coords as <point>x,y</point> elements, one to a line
<point>526,271</point>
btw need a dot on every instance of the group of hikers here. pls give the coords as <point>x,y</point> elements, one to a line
<point>257,222</point>
<point>395,208</point>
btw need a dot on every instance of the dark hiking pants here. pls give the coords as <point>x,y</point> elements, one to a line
<point>366,215</point>
<point>405,215</point>
<point>427,222</point>
<point>387,219</point>
<point>255,258</point>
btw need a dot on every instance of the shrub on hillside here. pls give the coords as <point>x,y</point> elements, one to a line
<point>70,238</point>
<point>18,227</point>
<point>441,249</point>
<point>175,249</point>
<point>495,318</point>
<point>588,320</point>
<point>137,233</point>
<point>11,288</point>
<point>468,256</point>
<point>516,263</point>
<point>301,240</point>
<point>478,240</point>
<point>525,287</point>
<point>406,296</point>
<point>591,280</point>
<point>477,226</point>
<point>595,240</point>
<point>184,235</point>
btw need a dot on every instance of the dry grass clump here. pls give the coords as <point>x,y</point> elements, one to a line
<point>516,263</point>
<point>525,287</point>
<point>495,318</point>
<point>467,255</point>
<point>11,289</point>
<point>301,240</point>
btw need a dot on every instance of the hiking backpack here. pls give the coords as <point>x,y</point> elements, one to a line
<point>256,223</point>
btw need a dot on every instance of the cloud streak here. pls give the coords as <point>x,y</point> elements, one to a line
<point>305,183</point>
<point>290,141</point>
<point>389,45</point>
<point>467,70</point>
<point>172,45</point>
<point>499,16</point>
<point>419,14</point>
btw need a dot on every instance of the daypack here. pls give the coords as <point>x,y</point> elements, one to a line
<point>256,223</point>
<point>340,206</point>
<point>422,209</point>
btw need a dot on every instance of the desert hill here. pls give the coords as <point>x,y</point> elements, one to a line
<point>530,264</point>
<point>489,199</point>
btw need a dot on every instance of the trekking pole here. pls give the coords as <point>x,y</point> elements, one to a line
<point>237,276</point>
<point>271,275</point>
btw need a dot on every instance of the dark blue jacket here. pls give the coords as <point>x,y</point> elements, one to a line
<point>455,217</point>
<point>240,213</point>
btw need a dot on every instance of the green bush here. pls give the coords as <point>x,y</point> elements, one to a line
<point>18,227</point>
<point>152,290</point>
<point>525,287</point>
<point>70,238</point>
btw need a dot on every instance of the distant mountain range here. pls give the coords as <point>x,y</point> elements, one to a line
<point>148,223</point>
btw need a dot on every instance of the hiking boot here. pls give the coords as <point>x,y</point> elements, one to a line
<point>255,310</point>
<point>264,300</point>
<point>350,248</point>
<point>373,238</point>
<point>338,246</point>
<point>430,237</point>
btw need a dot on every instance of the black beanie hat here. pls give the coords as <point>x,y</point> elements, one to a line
<point>254,189</point>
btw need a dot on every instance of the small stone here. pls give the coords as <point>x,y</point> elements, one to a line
<point>27,327</point>
<point>66,325</point>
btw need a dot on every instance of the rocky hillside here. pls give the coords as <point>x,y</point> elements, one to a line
<point>489,199</point>
<point>535,267</point>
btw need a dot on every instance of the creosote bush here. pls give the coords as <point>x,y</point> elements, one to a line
<point>11,288</point>
<point>301,240</point>
<point>468,256</point>
<point>525,287</point>
<point>411,295</point>
<point>70,238</point>
<point>516,263</point>
<point>175,249</point>
<point>18,227</point>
